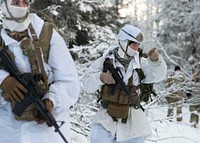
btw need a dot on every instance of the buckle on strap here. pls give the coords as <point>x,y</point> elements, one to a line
<point>119,120</point>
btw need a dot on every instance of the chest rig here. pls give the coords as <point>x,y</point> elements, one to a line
<point>115,98</point>
<point>32,49</point>
<point>117,102</point>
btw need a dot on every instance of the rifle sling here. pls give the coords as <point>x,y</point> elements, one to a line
<point>37,46</point>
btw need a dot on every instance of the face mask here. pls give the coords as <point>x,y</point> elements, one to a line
<point>131,52</point>
<point>16,12</point>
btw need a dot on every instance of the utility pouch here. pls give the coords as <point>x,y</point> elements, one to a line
<point>123,98</point>
<point>108,92</point>
<point>117,110</point>
<point>105,103</point>
<point>134,99</point>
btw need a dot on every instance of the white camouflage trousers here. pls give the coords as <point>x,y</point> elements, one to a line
<point>99,135</point>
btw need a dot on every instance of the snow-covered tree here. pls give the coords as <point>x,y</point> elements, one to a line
<point>77,18</point>
<point>179,29</point>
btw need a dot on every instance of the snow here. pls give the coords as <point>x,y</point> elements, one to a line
<point>165,131</point>
<point>85,8</point>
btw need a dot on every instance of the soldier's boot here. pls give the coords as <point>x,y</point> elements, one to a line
<point>179,114</point>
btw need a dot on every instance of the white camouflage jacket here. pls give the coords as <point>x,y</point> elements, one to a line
<point>137,124</point>
<point>61,73</point>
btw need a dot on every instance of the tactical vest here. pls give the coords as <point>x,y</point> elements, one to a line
<point>44,42</point>
<point>117,102</point>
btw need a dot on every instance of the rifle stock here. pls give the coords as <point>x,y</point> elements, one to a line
<point>33,96</point>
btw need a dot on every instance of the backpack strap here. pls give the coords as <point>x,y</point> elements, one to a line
<point>45,38</point>
<point>3,46</point>
<point>37,46</point>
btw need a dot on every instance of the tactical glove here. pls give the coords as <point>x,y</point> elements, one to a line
<point>48,104</point>
<point>12,89</point>
<point>107,78</point>
<point>153,54</point>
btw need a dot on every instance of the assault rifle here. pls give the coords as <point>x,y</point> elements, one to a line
<point>117,75</point>
<point>33,96</point>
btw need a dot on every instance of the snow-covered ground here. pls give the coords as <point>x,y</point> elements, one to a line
<point>167,130</point>
<point>163,130</point>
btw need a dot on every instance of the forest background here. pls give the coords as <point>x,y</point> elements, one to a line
<point>90,26</point>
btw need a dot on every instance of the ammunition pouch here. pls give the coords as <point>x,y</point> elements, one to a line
<point>116,101</point>
<point>117,110</point>
<point>110,93</point>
